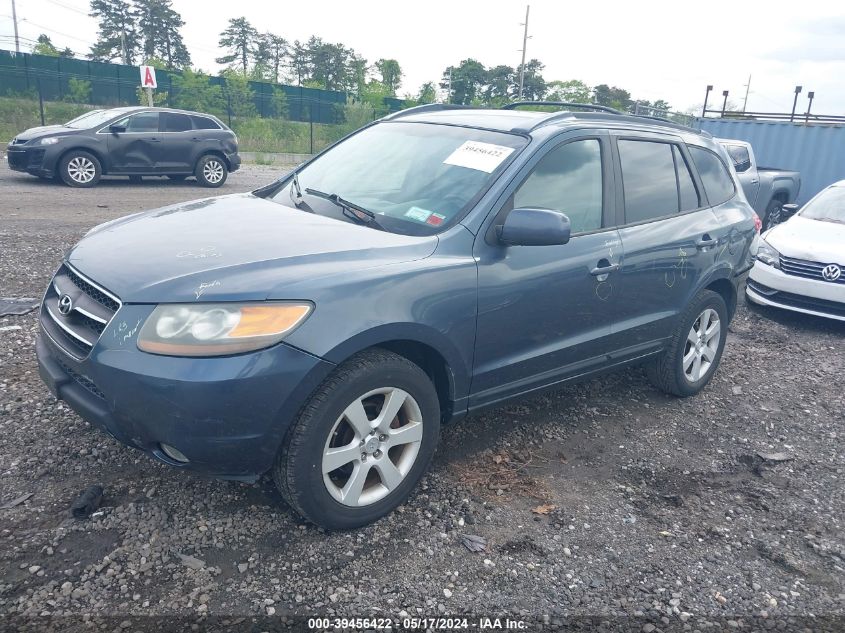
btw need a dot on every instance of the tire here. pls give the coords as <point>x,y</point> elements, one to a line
<point>669,372</point>
<point>371,378</point>
<point>774,214</point>
<point>79,168</point>
<point>177,177</point>
<point>211,171</point>
<point>136,180</point>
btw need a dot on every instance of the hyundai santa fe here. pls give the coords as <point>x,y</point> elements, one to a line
<point>435,262</point>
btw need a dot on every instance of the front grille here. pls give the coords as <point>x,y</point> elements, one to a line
<point>807,269</point>
<point>17,160</point>
<point>85,318</point>
<point>789,299</point>
<point>36,157</point>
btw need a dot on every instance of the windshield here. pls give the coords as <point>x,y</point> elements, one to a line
<point>414,177</point>
<point>829,206</point>
<point>93,119</point>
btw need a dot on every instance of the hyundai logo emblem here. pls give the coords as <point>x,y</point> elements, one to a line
<point>831,272</point>
<point>65,304</point>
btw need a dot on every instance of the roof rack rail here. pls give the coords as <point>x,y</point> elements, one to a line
<point>562,104</point>
<point>428,107</point>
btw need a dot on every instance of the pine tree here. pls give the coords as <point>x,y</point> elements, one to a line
<point>158,29</point>
<point>117,37</point>
<point>240,38</point>
<point>271,51</point>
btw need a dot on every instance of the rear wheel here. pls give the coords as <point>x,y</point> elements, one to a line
<point>78,168</point>
<point>211,171</point>
<point>695,349</point>
<point>361,443</point>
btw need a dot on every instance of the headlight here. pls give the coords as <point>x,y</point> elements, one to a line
<point>215,329</point>
<point>50,140</point>
<point>767,254</point>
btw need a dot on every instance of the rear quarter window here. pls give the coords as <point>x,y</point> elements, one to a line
<point>204,123</point>
<point>717,181</point>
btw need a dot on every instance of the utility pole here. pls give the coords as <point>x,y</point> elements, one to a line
<point>123,47</point>
<point>524,45</point>
<point>15,22</point>
<point>747,89</point>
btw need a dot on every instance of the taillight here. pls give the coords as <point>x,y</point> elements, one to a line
<point>758,223</point>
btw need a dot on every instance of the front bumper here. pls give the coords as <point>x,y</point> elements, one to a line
<point>32,160</point>
<point>234,161</point>
<point>227,415</point>
<point>769,286</point>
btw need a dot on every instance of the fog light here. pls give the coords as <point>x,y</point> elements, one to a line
<point>173,454</point>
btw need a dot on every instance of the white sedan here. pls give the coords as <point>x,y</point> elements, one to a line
<point>801,263</point>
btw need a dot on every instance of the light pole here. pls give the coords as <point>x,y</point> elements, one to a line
<point>524,45</point>
<point>810,96</point>
<point>706,97</point>
<point>795,101</point>
<point>15,22</point>
<point>725,102</point>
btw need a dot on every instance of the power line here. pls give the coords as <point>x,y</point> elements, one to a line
<point>68,7</point>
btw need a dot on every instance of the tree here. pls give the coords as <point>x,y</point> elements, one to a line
<point>240,39</point>
<point>499,85</point>
<point>391,74</point>
<point>78,91</point>
<point>533,84</point>
<point>194,91</point>
<point>612,97</point>
<point>299,62</point>
<point>159,32</point>
<point>238,96</point>
<point>117,37</point>
<point>572,91</point>
<point>427,93</point>
<point>45,47</point>
<point>465,81</point>
<point>332,65</point>
<point>270,54</point>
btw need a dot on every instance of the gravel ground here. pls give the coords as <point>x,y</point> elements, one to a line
<point>605,500</point>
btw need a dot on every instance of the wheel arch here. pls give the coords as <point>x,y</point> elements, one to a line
<point>213,152</point>
<point>724,287</point>
<point>426,348</point>
<point>96,153</point>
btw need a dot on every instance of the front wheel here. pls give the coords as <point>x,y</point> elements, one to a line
<point>211,171</point>
<point>80,169</point>
<point>361,443</point>
<point>695,348</point>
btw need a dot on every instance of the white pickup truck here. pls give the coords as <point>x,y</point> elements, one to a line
<point>767,189</point>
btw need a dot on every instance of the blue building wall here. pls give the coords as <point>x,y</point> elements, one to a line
<point>817,151</point>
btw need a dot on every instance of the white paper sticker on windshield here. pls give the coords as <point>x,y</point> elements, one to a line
<point>478,155</point>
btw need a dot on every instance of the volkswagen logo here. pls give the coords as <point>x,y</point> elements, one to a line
<point>65,304</point>
<point>831,272</point>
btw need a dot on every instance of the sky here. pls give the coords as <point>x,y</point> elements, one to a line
<point>655,50</point>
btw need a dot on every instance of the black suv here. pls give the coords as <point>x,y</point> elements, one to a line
<point>133,142</point>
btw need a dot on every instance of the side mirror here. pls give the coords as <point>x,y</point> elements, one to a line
<point>788,210</point>
<point>115,129</point>
<point>534,227</point>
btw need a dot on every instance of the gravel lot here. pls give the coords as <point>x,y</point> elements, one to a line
<point>605,499</point>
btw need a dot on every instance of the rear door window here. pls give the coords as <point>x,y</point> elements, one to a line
<point>717,181</point>
<point>648,180</point>
<point>175,122</point>
<point>143,122</point>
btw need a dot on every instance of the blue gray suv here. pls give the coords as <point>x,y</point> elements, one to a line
<point>436,262</point>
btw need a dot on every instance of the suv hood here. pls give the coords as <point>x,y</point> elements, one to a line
<point>46,130</point>
<point>237,247</point>
<point>813,240</point>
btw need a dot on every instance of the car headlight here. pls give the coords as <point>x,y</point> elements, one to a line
<point>767,254</point>
<point>216,329</point>
<point>50,140</point>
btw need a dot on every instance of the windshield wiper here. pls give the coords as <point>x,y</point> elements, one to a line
<point>350,209</point>
<point>298,199</point>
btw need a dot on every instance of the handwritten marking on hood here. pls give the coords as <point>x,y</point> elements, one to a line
<point>200,253</point>
<point>205,286</point>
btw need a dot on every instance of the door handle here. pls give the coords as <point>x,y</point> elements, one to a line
<point>604,270</point>
<point>754,181</point>
<point>196,138</point>
<point>154,140</point>
<point>706,242</point>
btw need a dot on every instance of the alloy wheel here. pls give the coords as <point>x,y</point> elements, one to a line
<point>372,446</point>
<point>213,171</point>
<point>702,345</point>
<point>81,170</point>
